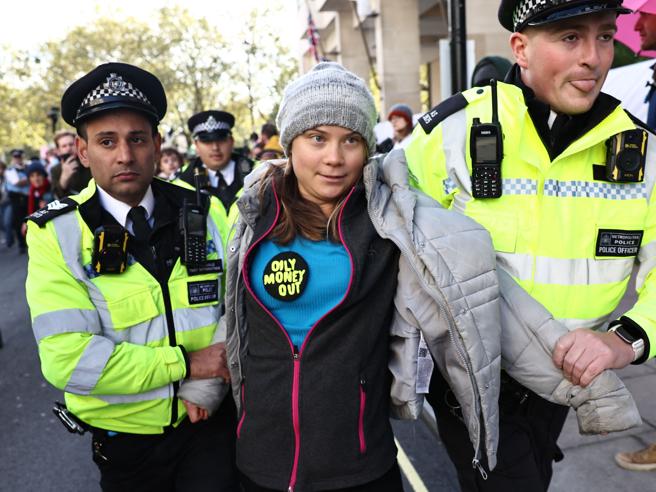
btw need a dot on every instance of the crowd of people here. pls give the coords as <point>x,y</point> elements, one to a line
<point>251,320</point>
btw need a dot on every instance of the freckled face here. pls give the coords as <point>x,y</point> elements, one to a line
<point>327,162</point>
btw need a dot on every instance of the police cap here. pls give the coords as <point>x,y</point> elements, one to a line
<point>114,86</point>
<point>16,152</point>
<point>515,15</point>
<point>208,126</point>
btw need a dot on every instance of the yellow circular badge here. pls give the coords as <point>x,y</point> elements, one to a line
<point>286,276</point>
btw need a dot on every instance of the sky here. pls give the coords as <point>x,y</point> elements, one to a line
<point>27,24</point>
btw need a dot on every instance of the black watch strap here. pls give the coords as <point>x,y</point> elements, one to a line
<point>631,332</point>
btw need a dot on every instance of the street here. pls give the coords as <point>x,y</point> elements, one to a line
<point>38,454</point>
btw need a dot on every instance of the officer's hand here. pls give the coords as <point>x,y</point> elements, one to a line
<point>194,412</point>
<point>584,354</point>
<point>210,362</point>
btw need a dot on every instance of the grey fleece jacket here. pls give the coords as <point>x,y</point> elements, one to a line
<point>475,318</point>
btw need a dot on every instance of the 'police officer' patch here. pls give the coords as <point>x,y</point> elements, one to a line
<point>618,243</point>
<point>203,291</point>
<point>286,276</point>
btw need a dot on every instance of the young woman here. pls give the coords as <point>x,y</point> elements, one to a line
<point>335,260</point>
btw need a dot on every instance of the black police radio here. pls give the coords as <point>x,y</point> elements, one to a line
<point>486,151</point>
<point>625,156</point>
<point>193,229</point>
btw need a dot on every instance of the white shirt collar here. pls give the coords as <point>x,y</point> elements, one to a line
<point>227,172</point>
<point>119,210</point>
<point>552,117</point>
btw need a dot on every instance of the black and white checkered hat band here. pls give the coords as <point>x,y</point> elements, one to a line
<point>211,125</point>
<point>124,89</point>
<point>527,8</point>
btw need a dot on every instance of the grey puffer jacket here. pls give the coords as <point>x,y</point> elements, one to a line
<point>475,319</point>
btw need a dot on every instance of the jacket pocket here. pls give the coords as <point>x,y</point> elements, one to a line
<point>243,411</point>
<point>363,406</point>
<point>130,310</point>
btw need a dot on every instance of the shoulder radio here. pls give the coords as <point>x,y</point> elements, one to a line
<point>486,151</point>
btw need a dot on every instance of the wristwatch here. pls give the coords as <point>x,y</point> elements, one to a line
<point>637,343</point>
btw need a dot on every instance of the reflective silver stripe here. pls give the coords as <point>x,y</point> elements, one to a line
<point>69,236</point>
<point>186,319</point>
<point>517,265</point>
<point>66,321</point>
<point>162,393</point>
<point>592,323</point>
<point>581,271</point>
<point>90,366</point>
<point>560,271</point>
<point>155,329</point>
<point>454,137</point>
<point>143,333</point>
<point>587,189</point>
<point>647,258</point>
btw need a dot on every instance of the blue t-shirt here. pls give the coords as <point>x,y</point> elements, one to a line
<point>300,282</point>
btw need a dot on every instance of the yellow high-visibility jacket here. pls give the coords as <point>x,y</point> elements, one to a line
<point>568,239</point>
<point>113,342</point>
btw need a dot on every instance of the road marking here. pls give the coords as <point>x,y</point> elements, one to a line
<point>409,470</point>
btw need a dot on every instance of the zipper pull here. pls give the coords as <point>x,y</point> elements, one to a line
<point>477,464</point>
<point>363,383</point>
<point>296,352</point>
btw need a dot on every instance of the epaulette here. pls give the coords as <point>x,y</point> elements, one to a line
<point>638,121</point>
<point>443,110</point>
<point>52,210</point>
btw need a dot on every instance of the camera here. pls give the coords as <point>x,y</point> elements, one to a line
<point>625,156</point>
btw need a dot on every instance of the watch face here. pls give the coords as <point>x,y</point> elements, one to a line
<point>624,334</point>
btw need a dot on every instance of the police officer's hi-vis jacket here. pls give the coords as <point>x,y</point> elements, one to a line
<point>115,343</point>
<point>569,239</point>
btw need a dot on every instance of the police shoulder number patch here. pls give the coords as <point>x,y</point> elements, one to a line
<point>442,111</point>
<point>52,210</point>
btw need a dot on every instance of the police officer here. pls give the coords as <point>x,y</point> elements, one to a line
<point>225,169</point>
<point>562,178</point>
<point>121,313</point>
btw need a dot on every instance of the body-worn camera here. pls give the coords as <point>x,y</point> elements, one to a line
<point>110,249</point>
<point>625,156</point>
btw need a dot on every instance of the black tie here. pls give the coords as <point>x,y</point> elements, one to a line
<point>222,185</point>
<point>140,225</point>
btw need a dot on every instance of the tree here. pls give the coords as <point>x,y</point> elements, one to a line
<point>199,70</point>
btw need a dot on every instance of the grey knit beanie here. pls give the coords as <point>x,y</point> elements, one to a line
<point>327,95</point>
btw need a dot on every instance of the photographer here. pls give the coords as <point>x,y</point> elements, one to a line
<point>68,177</point>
